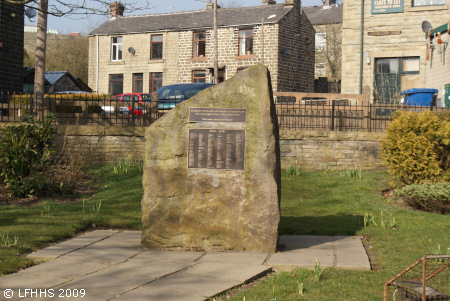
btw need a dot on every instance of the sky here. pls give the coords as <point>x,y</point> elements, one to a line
<point>67,25</point>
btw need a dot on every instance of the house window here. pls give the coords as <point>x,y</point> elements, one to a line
<point>138,83</point>
<point>155,81</point>
<point>115,84</point>
<point>198,76</point>
<point>116,49</point>
<point>428,2</point>
<point>157,47</point>
<point>245,41</point>
<point>199,44</point>
<point>394,75</point>
<point>321,38</point>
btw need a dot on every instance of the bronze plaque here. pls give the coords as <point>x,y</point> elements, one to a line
<point>216,149</point>
<point>217,115</point>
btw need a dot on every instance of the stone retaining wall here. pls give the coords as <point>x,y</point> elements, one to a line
<point>309,149</point>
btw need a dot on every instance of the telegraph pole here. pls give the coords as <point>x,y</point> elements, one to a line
<point>216,51</point>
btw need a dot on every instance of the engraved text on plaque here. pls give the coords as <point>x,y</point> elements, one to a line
<point>216,149</point>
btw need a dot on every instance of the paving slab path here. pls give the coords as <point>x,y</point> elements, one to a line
<point>109,265</point>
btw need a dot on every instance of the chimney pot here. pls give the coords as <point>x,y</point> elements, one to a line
<point>329,2</point>
<point>210,5</point>
<point>268,2</point>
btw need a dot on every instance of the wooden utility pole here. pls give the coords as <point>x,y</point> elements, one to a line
<point>41,42</point>
<point>216,51</point>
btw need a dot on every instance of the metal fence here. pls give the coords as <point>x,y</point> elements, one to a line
<point>293,114</point>
<point>341,116</point>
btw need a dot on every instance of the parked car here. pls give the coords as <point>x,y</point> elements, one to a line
<point>171,95</point>
<point>128,98</point>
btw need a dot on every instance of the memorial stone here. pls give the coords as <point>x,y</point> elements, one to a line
<point>212,170</point>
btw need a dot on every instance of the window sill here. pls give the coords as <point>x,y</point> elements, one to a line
<point>116,63</point>
<point>158,61</point>
<point>203,58</point>
<point>242,57</point>
<point>427,7</point>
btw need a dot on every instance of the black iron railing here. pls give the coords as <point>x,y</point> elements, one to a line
<point>313,114</point>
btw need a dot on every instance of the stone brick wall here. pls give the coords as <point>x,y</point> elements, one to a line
<point>11,51</point>
<point>309,149</point>
<point>296,69</point>
<point>410,43</point>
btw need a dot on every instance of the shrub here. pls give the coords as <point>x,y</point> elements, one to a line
<point>416,147</point>
<point>25,155</point>
<point>427,196</point>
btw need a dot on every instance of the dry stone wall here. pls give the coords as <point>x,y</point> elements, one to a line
<point>309,149</point>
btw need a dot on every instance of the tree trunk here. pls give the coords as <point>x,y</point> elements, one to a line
<point>41,40</point>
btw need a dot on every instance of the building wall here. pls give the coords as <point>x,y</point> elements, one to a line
<point>410,43</point>
<point>329,50</point>
<point>296,69</point>
<point>11,51</point>
<point>309,149</point>
<point>437,68</point>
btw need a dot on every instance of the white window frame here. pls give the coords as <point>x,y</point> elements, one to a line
<point>115,48</point>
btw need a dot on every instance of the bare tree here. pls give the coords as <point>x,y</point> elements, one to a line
<point>78,9</point>
<point>230,3</point>
<point>329,51</point>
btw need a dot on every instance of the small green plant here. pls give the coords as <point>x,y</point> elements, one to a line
<point>300,288</point>
<point>353,173</point>
<point>96,207</point>
<point>294,170</point>
<point>8,241</point>
<point>428,196</point>
<point>49,209</point>
<point>83,206</point>
<point>327,169</point>
<point>317,271</point>
<point>369,220</point>
<point>389,224</point>
<point>125,165</point>
<point>274,298</point>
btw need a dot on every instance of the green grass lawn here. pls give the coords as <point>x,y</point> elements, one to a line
<point>314,203</point>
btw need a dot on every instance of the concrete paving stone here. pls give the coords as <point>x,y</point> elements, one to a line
<point>310,251</point>
<point>19,282</point>
<point>107,283</point>
<point>127,239</point>
<point>147,267</point>
<point>350,249</point>
<point>102,255</point>
<point>193,284</point>
<point>293,242</point>
<point>173,256</point>
<point>234,257</point>
<point>145,294</point>
<point>58,294</point>
<point>96,235</point>
<point>353,261</point>
<point>64,268</point>
<point>347,241</point>
<point>294,259</point>
<point>59,249</point>
<point>233,271</point>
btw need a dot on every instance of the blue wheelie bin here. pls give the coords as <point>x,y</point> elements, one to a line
<point>419,97</point>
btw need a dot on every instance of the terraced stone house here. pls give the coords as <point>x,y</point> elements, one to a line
<point>142,53</point>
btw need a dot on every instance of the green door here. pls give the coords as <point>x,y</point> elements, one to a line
<point>447,96</point>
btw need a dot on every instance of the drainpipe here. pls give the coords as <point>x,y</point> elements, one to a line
<point>96,71</point>
<point>362,49</point>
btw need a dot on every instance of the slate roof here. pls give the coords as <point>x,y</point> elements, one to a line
<point>319,16</point>
<point>53,76</point>
<point>193,19</point>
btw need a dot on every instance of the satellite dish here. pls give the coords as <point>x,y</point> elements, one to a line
<point>426,26</point>
<point>131,50</point>
<point>30,13</point>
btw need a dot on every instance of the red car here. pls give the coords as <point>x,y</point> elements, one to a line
<point>135,97</point>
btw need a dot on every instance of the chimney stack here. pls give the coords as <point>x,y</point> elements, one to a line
<point>117,9</point>
<point>210,5</point>
<point>268,2</point>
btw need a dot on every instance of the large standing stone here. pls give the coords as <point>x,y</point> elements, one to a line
<point>211,208</point>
